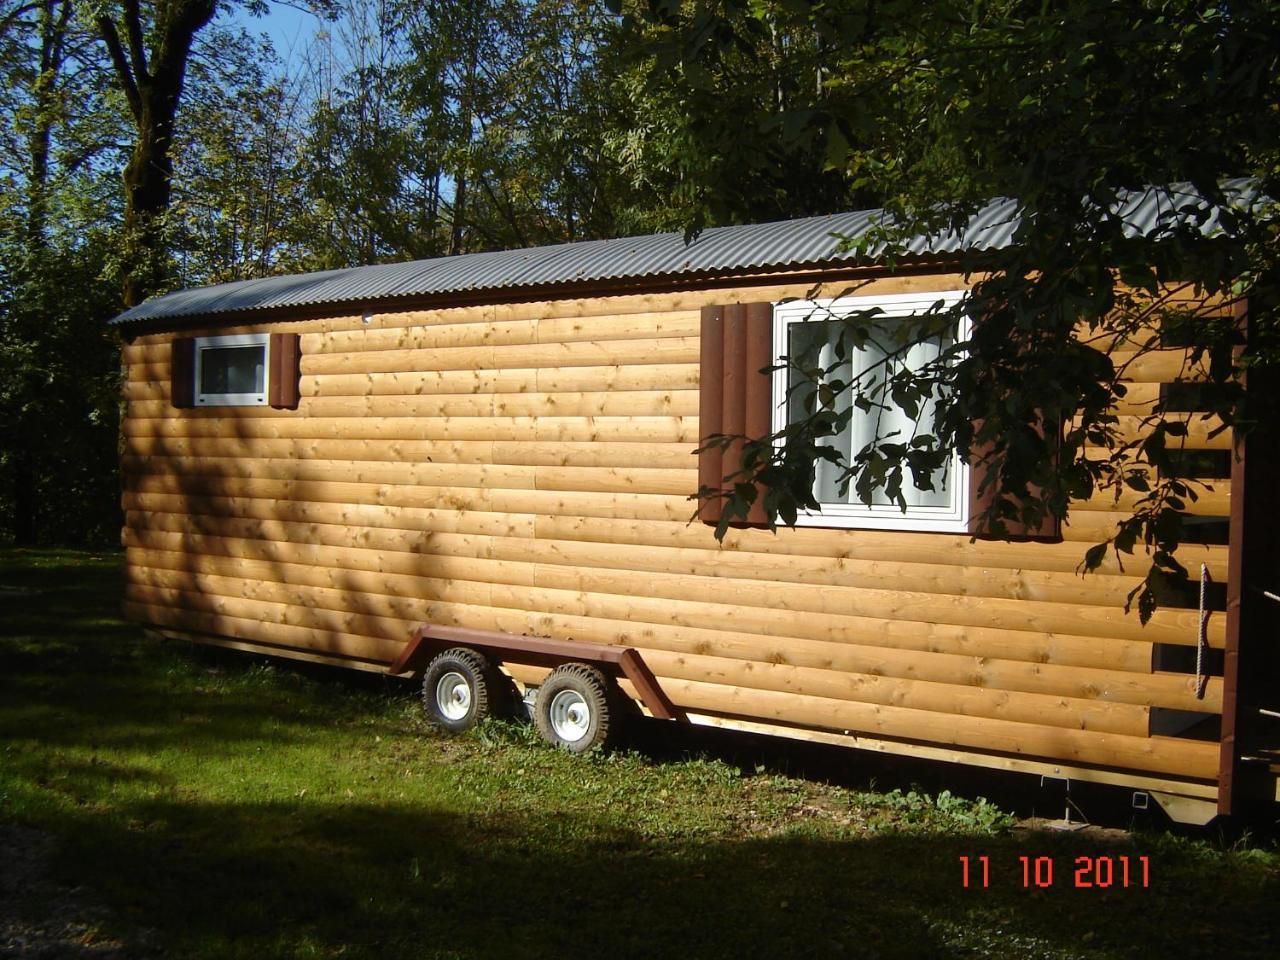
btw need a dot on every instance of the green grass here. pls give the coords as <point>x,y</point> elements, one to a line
<point>224,806</point>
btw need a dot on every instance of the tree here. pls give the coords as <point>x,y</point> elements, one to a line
<point>236,193</point>
<point>150,72</point>
<point>61,218</point>
<point>57,361</point>
<point>1069,109</point>
<point>722,111</point>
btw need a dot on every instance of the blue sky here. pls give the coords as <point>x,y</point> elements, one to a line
<point>288,27</point>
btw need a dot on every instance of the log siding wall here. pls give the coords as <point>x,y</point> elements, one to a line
<point>527,468</point>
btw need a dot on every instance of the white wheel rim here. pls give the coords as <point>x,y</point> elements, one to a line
<point>570,716</point>
<point>453,696</point>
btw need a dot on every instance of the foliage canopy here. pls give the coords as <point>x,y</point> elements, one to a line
<point>1069,109</point>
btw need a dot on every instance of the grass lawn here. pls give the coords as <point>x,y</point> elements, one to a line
<point>215,805</point>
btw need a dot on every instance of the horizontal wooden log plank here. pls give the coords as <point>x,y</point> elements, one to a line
<point>626,378</point>
<point>1171,690</point>
<point>585,379</point>
<point>585,353</point>
<point>213,593</point>
<point>532,330</point>
<point>815,600</point>
<point>510,453</point>
<point>664,403</point>
<point>171,568</point>
<point>308,521</point>
<point>964,701</point>
<point>433,336</point>
<point>404,532</point>
<point>1090,527</point>
<point>406,528</point>
<point>184,469</point>
<point>656,566</point>
<point>153,409</point>
<point>390,429</point>
<point>601,518</point>
<point>1139,399</point>
<point>627,326</point>
<point>1202,432</point>
<point>150,371</point>
<point>1004,642</point>
<point>199,491</point>
<point>1106,622</point>
<point>855,544</point>
<point>149,391</point>
<point>1157,366</point>
<point>780,569</point>
<point>375,648</point>
<point>660,481</point>
<point>305,604</point>
<point>1155,754</point>
<point>475,333</point>
<point>1211,498</point>
<point>317,618</point>
<point>419,384</point>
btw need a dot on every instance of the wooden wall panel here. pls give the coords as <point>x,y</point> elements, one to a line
<point>528,467</point>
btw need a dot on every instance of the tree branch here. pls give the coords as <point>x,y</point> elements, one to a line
<point>121,63</point>
<point>14,15</point>
<point>137,49</point>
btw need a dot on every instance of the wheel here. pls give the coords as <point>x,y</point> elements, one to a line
<point>459,689</point>
<point>575,708</point>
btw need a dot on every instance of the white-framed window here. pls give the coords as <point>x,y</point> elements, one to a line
<point>232,370</point>
<point>811,328</point>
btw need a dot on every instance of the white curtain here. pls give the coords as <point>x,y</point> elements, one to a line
<point>816,341</point>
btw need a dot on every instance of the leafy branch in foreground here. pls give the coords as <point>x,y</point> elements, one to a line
<point>1139,219</point>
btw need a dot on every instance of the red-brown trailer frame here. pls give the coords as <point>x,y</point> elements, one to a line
<point>615,661</point>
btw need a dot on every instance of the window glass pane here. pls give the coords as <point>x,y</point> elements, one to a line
<point>813,344</point>
<point>233,369</point>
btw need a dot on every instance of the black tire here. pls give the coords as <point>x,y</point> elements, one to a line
<point>576,708</point>
<point>459,689</point>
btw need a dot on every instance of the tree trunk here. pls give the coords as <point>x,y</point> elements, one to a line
<point>54,16</point>
<point>468,120</point>
<point>147,192</point>
<point>151,81</point>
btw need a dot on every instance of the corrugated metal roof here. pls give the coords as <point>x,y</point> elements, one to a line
<point>807,242</point>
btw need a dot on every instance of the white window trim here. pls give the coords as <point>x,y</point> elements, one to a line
<point>859,516</point>
<point>234,399</point>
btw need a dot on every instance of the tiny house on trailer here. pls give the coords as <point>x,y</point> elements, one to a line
<point>445,467</point>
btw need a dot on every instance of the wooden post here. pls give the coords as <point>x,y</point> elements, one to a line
<point>1250,662</point>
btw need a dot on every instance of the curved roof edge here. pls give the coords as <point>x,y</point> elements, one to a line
<point>788,244</point>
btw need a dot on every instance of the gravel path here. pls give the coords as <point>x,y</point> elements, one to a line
<point>41,919</point>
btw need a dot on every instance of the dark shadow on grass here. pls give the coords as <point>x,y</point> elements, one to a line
<point>391,882</point>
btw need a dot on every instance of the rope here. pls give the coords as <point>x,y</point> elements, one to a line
<point>1202,641</point>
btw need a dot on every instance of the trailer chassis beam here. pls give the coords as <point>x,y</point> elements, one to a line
<point>430,639</point>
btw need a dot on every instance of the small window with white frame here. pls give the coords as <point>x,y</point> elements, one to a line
<point>811,329</point>
<point>232,370</point>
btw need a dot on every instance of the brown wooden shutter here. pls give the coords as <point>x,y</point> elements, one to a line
<point>735,397</point>
<point>980,500</point>
<point>182,372</point>
<point>284,356</point>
